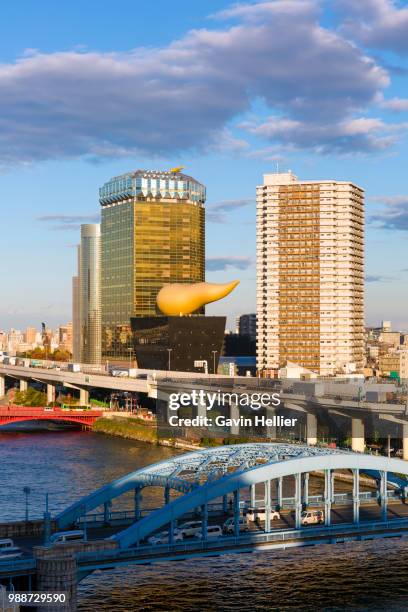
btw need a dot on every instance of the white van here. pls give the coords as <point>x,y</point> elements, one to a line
<point>312,517</point>
<point>68,536</point>
<point>213,531</point>
<point>8,550</point>
<point>229,525</point>
<point>259,514</point>
<point>192,528</point>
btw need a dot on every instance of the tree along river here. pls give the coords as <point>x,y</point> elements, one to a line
<point>70,464</point>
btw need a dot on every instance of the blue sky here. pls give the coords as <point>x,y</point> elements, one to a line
<point>97,88</point>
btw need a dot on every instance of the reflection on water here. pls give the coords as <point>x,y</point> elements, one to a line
<point>353,576</point>
<point>67,465</point>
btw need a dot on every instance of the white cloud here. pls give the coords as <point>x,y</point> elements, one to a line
<point>377,24</point>
<point>214,264</point>
<point>216,213</point>
<point>394,213</point>
<point>398,105</point>
<point>361,134</point>
<point>183,96</point>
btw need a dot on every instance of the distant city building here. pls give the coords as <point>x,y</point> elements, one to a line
<point>31,335</point>
<point>76,318</point>
<point>310,274</point>
<point>65,337</point>
<point>152,233</point>
<point>90,294</point>
<point>235,345</point>
<point>395,363</point>
<point>391,338</point>
<point>3,341</point>
<point>246,326</point>
<point>14,340</point>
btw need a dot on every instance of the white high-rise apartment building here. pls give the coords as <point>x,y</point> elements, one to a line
<point>310,274</point>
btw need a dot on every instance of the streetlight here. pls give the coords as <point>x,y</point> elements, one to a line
<point>169,351</point>
<point>26,491</point>
<point>214,354</point>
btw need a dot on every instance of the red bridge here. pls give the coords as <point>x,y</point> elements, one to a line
<point>14,414</point>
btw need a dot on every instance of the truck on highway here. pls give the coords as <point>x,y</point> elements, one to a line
<point>74,367</point>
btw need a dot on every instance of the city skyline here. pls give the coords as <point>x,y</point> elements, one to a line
<point>259,118</point>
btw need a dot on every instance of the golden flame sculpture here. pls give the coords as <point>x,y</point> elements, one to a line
<point>178,299</point>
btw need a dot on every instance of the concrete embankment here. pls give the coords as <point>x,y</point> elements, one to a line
<point>127,425</point>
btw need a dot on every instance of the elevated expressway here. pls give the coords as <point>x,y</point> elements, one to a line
<point>159,384</point>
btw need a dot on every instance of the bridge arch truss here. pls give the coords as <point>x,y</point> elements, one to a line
<point>207,475</point>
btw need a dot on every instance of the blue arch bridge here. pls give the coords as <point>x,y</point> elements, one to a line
<point>213,485</point>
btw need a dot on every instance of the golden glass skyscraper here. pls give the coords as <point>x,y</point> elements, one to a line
<point>152,233</point>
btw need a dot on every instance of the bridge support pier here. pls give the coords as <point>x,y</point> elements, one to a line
<point>23,385</point>
<point>267,500</point>
<point>357,435</point>
<point>356,496</point>
<point>2,385</point>
<point>306,489</point>
<point>270,430</point>
<point>298,502</point>
<point>327,497</point>
<point>83,397</point>
<point>280,489</point>
<point>252,495</point>
<point>383,496</point>
<point>201,409</point>
<point>56,575</point>
<point>234,414</point>
<point>311,429</point>
<point>236,513</point>
<point>50,394</point>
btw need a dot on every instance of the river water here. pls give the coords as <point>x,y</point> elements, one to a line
<point>67,465</point>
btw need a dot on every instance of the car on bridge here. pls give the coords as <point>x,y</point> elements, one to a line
<point>213,531</point>
<point>8,550</point>
<point>191,528</point>
<point>259,514</point>
<point>312,517</point>
<point>229,525</point>
<point>163,538</point>
<point>76,535</point>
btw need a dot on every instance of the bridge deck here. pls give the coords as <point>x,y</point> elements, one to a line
<point>252,542</point>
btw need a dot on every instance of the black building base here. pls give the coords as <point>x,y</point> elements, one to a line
<point>175,343</point>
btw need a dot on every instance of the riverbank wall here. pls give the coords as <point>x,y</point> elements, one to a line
<point>127,425</point>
